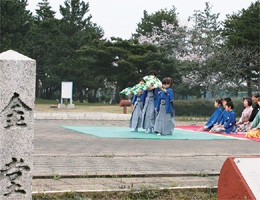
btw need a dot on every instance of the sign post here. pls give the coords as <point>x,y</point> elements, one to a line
<point>66,93</point>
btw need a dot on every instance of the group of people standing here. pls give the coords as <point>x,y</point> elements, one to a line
<point>225,121</point>
<point>153,108</point>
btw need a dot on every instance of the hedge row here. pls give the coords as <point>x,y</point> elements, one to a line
<point>202,107</point>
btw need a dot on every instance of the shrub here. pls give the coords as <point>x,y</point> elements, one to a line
<point>203,107</point>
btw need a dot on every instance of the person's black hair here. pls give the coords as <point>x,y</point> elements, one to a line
<point>249,100</point>
<point>153,72</point>
<point>227,99</point>
<point>230,103</point>
<point>256,94</point>
<point>141,79</point>
<point>219,101</point>
<point>168,80</point>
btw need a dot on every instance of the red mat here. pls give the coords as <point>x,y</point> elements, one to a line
<point>196,128</point>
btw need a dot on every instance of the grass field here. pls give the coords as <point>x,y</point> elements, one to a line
<point>145,194</point>
<point>45,105</point>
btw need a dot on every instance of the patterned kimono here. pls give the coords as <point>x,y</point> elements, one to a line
<point>256,123</point>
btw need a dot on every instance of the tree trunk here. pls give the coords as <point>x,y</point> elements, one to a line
<point>204,94</point>
<point>95,96</point>
<point>90,96</point>
<point>259,80</point>
<point>116,97</point>
<point>249,87</point>
<point>81,96</point>
<point>236,92</point>
<point>37,87</point>
<point>210,92</point>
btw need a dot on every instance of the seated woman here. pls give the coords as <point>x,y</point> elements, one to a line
<point>245,114</point>
<point>256,107</point>
<point>254,130</point>
<point>215,117</point>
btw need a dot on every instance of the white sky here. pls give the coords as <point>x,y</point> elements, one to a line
<point>119,18</point>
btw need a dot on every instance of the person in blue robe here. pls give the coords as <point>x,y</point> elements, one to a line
<point>222,117</point>
<point>215,117</point>
<point>137,107</point>
<point>149,112</point>
<point>230,120</point>
<point>164,123</point>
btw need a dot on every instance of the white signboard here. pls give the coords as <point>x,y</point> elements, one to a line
<point>66,90</point>
<point>250,170</point>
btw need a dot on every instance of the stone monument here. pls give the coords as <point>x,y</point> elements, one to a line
<point>17,95</point>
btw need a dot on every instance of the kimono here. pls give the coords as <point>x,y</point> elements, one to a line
<point>230,122</point>
<point>136,117</point>
<point>223,117</point>
<point>251,118</point>
<point>149,113</point>
<point>164,123</point>
<point>245,114</point>
<point>254,112</point>
<point>253,134</point>
<point>215,117</point>
<point>255,124</point>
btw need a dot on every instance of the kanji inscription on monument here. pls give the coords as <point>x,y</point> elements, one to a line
<point>15,112</point>
<point>17,95</point>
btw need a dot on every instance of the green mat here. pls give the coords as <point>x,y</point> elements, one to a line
<point>125,132</point>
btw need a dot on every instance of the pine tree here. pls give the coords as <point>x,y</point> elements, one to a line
<point>44,12</point>
<point>15,23</point>
<point>241,31</point>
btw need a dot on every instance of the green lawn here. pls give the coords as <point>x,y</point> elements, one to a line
<point>45,105</point>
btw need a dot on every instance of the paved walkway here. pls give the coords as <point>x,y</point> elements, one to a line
<point>128,183</point>
<point>94,116</point>
<point>59,151</point>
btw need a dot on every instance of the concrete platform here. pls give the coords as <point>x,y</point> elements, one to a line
<point>59,151</point>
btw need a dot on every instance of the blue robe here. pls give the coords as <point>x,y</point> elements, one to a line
<point>223,117</point>
<point>136,117</point>
<point>230,121</point>
<point>164,123</point>
<point>168,98</point>
<point>215,117</point>
<point>155,95</point>
<point>137,95</point>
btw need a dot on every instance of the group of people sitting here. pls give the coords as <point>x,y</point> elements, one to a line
<point>225,121</point>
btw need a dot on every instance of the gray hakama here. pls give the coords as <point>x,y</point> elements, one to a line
<point>149,113</point>
<point>136,117</point>
<point>164,123</point>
